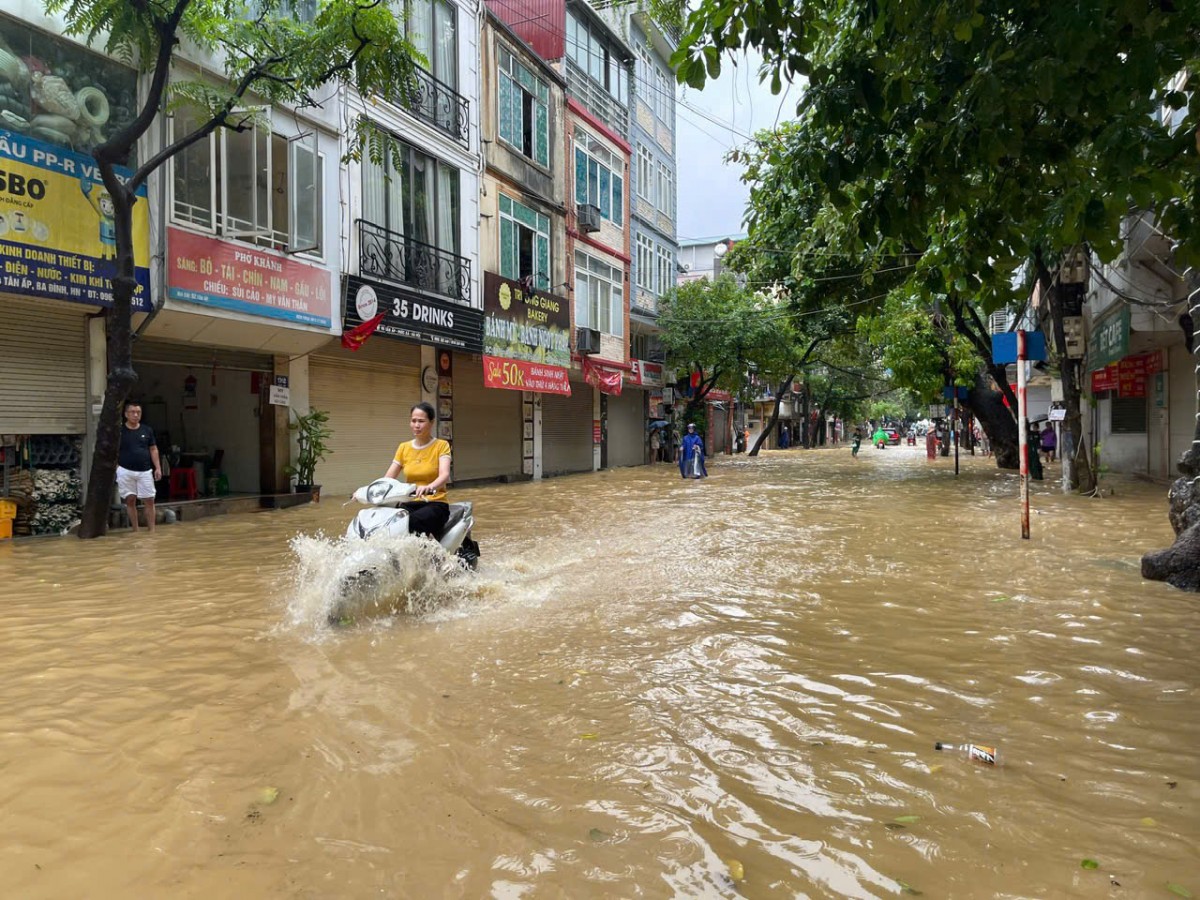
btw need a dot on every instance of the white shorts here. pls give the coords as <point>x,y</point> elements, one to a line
<point>139,483</point>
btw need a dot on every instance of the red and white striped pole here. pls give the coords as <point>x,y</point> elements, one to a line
<point>1023,445</point>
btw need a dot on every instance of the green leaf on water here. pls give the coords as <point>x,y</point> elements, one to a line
<point>589,736</point>
<point>1179,890</point>
<point>906,888</point>
<point>268,795</point>
<point>1088,864</point>
<point>598,836</point>
<point>906,820</point>
<point>999,599</point>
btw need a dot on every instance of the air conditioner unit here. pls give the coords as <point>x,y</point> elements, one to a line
<point>587,340</point>
<point>589,218</point>
<point>1074,269</point>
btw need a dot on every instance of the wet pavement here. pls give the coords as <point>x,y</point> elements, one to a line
<point>652,688</point>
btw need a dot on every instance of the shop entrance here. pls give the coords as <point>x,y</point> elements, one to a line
<point>206,407</point>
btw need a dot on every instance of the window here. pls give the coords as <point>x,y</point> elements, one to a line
<point>431,28</point>
<point>599,295</point>
<point>524,244</point>
<point>664,94</point>
<point>254,185</point>
<point>666,190</point>
<point>666,268</point>
<point>523,110</point>
<point>1128,415</point>
<point>645,263</point>
<point>645,174</point>
<point>412,200</point>
<point>597,181</point>
<point>588,48</point>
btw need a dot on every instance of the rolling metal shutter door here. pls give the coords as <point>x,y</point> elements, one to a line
<point>368,408</point>
<point>43,367</point>
<point>720,432</point>
<point>627,429</point>
<point>199,357</point>
<point>567,431</point>
<point>487,425</point>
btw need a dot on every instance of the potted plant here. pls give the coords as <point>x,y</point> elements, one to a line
<point>312,434</point>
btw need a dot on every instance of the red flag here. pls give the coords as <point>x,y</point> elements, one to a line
<point>356,337</point>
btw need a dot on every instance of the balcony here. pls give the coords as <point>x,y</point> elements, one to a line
<point>595,99</point>
<point>438,104</point>
<point>394,257</point>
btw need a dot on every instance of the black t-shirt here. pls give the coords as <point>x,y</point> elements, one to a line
<point>135,448</point>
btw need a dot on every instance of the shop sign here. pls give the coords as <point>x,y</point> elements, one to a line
<point>519,375</point>
<point>526,337</point>
<point>57,234</point>
<point>656,405</point>
<point>278,395</point>
<point>1160,390</point>
<point>597,432</point>
<point>644,373</point>
<point>1104,379</point>
<point>1132,373</point>
<point>413,317</point>
<point>1110,338</point>
<point>245,279</point>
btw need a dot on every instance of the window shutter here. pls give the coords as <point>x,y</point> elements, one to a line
<point>304,204</point>
<point>543,262</point>
<point>542,134</point>
<point>618,199</point>
<point>504,107</point>
<point>581,176</point>
<point>508,256</point>
<point>605,194</point>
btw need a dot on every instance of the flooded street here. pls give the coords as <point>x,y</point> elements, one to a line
<point>653,688</point>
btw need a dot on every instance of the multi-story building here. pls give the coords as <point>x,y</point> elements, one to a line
<point>523,379</point>
<point>619,99</point>
<point>410,226</point>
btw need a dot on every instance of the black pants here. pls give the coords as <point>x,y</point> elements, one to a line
<point>427,517</point>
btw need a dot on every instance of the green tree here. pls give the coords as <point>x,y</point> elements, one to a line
<point>267,56</point>
<point>964,143</point>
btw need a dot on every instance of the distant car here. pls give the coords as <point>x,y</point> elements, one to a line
<point>893,435</point>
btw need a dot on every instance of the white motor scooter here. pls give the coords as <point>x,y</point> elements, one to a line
<point>384,516</point>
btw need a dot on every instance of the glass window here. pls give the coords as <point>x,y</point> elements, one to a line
<point>524,113</point>
<point>414,199</point>
<point>192,182</point>
<point>524,244</point>
<point>597,181</point>
<point>599,295</point>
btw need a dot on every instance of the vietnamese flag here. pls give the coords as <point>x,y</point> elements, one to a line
<point>356,337</point>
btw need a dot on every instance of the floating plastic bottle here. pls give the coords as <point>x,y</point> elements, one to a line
<point>974,752</point>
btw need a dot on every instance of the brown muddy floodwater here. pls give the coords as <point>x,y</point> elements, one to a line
<point>653,688</point>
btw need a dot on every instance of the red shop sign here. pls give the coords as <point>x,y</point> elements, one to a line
<point>520,375</point>
<point>1104,379</point>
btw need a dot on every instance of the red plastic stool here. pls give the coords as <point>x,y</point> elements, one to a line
<point>183,484</point>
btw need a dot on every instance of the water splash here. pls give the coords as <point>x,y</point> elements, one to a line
<point>342,581</point>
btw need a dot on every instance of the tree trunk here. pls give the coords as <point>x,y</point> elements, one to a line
<point>121,377</point>
<point>1179,564</point>
<point>762,435</point>
<point>997,422</point>
<point>1075,459</point>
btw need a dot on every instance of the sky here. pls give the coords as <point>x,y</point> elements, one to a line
<point>709,123</point>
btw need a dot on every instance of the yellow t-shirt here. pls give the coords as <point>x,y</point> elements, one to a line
<point>421,466</point>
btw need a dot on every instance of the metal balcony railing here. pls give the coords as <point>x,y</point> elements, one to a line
<point>599,102</point>
<point>394,257</point>
<point>438,104</point>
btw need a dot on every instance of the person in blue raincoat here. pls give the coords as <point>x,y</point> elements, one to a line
<point>693,446</point>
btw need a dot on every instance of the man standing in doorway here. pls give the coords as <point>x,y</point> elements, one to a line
<point>138,466</point>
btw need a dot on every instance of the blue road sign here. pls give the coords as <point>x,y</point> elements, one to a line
<point>1004,347</point>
